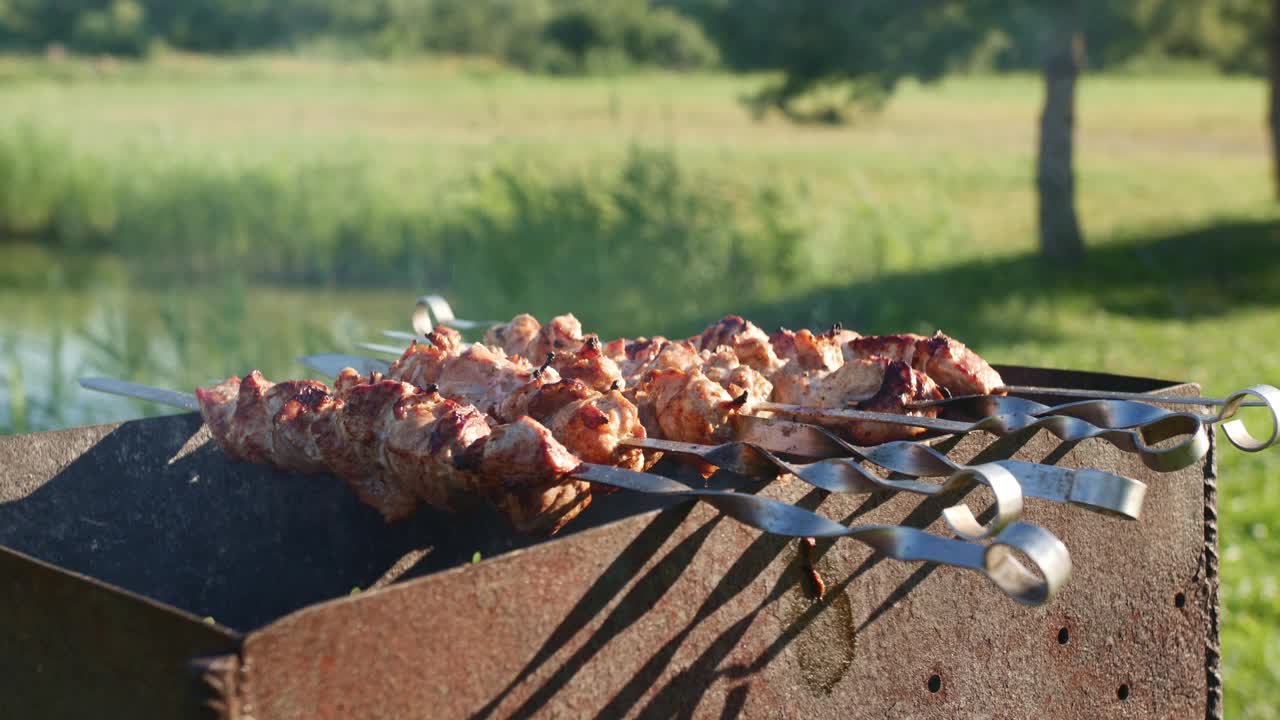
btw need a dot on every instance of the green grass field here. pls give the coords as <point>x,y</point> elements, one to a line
<point>919,217</point>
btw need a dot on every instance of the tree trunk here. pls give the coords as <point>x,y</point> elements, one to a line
<point>1060,238</point>
<point>1273,110</point>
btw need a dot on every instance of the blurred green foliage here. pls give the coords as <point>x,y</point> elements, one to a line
<point>543,35</point>
<point>525,235</point>
<point>835,56</point>
<point>875,43</point>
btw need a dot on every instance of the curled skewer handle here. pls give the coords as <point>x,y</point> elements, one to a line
<point>428,306</point>
<point>997,561</point>
<point>1235,429</point>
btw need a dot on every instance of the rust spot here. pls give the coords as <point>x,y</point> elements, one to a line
<point>824,631</point>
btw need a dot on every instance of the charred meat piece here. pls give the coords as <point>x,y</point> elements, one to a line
<point>526,475</point>
<point>952,365</point>
<point>352,447</point>
<point>749,342</point>
<point>589,365</point>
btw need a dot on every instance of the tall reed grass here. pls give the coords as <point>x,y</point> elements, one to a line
<point>621,242</point>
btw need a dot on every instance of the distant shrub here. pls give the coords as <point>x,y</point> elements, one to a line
<point>628,30</point>
<point>117,29</point>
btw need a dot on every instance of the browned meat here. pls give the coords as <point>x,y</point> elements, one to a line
<point>592,428</point>
<point>749,342</point>
<point>849,381</point>
<point>484,377</point>
<point>690,407</point>
<point>514,337</point>
<point>445,338</point>
<point>397,445</point>
<point>526,476</point>
<point>250,431</point>
<point>352,446</point>
<point>550,397</point>
<point>430,431</point>
<point>564,332</point>
<point>421,363</point>
<point>902,386</point>
<point>295,406</point>
<point>802,350</point>
<point>723,368</point>
<point>218,406</point>
<point>952,365</point>
<point>589,365</point>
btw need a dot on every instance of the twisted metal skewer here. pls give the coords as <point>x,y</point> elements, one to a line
<point>996,561</point>
<point>1140,440</point>
<point>1090,489</point>
<point>1128,414</point>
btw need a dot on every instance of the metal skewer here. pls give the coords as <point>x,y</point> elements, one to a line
<point>753,455</point>
<point>1118,413</point>
<point>1139,440</point>
<point>1091,489</point>
<point>996,561</point>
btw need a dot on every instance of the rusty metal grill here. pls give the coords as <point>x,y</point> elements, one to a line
<point>120,540</point>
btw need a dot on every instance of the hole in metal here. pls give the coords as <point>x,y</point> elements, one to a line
<point>1179,600</point>
<point>935,683</point>
<point>1063,636</point>
<point>1123,692</point>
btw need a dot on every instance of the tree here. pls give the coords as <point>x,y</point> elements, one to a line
<point>1060,238</point>
<point>865,49</point>
<point>1273,107</point>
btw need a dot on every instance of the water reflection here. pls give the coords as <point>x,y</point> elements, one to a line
<point>174,335</point>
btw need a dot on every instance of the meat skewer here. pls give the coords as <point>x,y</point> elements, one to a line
<point>523,455</point>
<point>607,442</point>
<point>830,369</point>
<point>688,407</point>
<point>1106,410</point>
<point>1268,396</point>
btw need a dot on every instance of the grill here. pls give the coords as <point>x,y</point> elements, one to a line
<point>120,540</point>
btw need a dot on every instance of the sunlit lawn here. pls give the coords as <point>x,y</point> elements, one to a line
<point>947,169</point>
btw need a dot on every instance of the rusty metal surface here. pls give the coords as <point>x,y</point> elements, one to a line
<point>153,506</point>
<point>71,647</point>
<point>665,613</point>
<point>684,613</point>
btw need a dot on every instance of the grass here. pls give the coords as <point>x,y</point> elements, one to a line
<point>512,192</point>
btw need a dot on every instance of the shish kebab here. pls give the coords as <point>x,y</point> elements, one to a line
<point>733,360</point>
<point>1113,410</point>
<point>432,310</point>
<point>396,444</point>
<point>608,428</point>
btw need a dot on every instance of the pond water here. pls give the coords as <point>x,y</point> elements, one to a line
<point>62,318</point>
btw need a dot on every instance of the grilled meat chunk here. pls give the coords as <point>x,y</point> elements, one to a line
<point>352,446</point>
<point>749,342</point>
<point>513,337</point>
<point>593,427</point>
<point>564,332</point>
<point>589,365</point>
<point>525,471</point>
<point>952,365</point>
